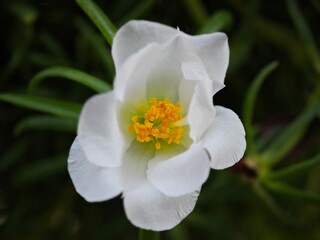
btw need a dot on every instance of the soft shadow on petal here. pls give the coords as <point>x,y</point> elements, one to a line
<point>185,69</point>
<point>92,182</point>
<point>180,174</point>
<point>213,50</point>
<point>130,84</point>
<point>135,163</point>
<point>225,139</point>
<point>201,111</point>
<point>150,209</point>
<point>99,133</point>
<point>166,75</point>
<point>193,69</point>
<point>209,69</point>
<point>135,35</point>
<point>199,118</point>
<point>154,71</point>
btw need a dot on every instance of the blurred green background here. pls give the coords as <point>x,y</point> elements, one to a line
<point>273,83</point>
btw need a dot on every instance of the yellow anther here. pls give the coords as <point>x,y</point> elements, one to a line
<point>140,108</point>
<point>157,123</point>
<point>153,100</point>
<point>134,118</point>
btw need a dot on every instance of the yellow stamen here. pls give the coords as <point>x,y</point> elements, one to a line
<point>158,123</point>
<point>134,118</point>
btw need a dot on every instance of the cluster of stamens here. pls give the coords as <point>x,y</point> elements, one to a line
<point>158,122</point>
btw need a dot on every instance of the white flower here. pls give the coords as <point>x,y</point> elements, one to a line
<point>155,137</point>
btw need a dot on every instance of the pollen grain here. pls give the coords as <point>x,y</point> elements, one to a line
<point>157,123</point>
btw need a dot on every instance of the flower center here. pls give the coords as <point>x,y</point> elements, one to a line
<point>157,123</point>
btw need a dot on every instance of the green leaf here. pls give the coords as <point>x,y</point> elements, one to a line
<point>292,192</point>
<point>49,41</point>
<point>97,43</point>
<point>290,135</point>
<point>272,204</point>
<point>196,10</point>
<point>78,76</point>
<point>40,170</point>
<point>141,8</point>
<point>43,122</point>
<point>295,169</point>
<point>99,18</point>
<point>305,33</point>
<point>220,20</point>
<point>42,104</point>
<point>248,107</point>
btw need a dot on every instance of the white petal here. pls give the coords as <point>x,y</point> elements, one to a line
<point>150,209</point>
<point>201,111</point>
<point>185,69</point>
<point>99,133</point>
<point>195,70</point>
<point>212,49</point>
<point>130,83</point>
<point>135,162</point>
<point>135,35</point>
<point>199,118</point>
<point>225,139</point>
<point>154,71</point>
<point>180,174</point>
<point>92,182</point>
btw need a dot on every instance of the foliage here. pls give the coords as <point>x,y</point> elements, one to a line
<point>274,78</point>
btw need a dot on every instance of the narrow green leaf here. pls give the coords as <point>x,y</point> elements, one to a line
<point>43,122</point>
<point>196,10</point>
<point>292,192</point>
<point>219,21</point>
<point>53,46</point>
<point>140,8</point>
<point>262,142</point>
<point>280,35</point>
<point>18,54</point>
<point>248,107</point>
<point>47,105</point>
<point>290,135</point>
<point>71,74</point>
<point>99,18</point>
<point>272,204</point>
<point>40,170</point>
<point>295,169</point>
<point>305,33</point>
<point>241,45</point>
<point>97,43</point>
